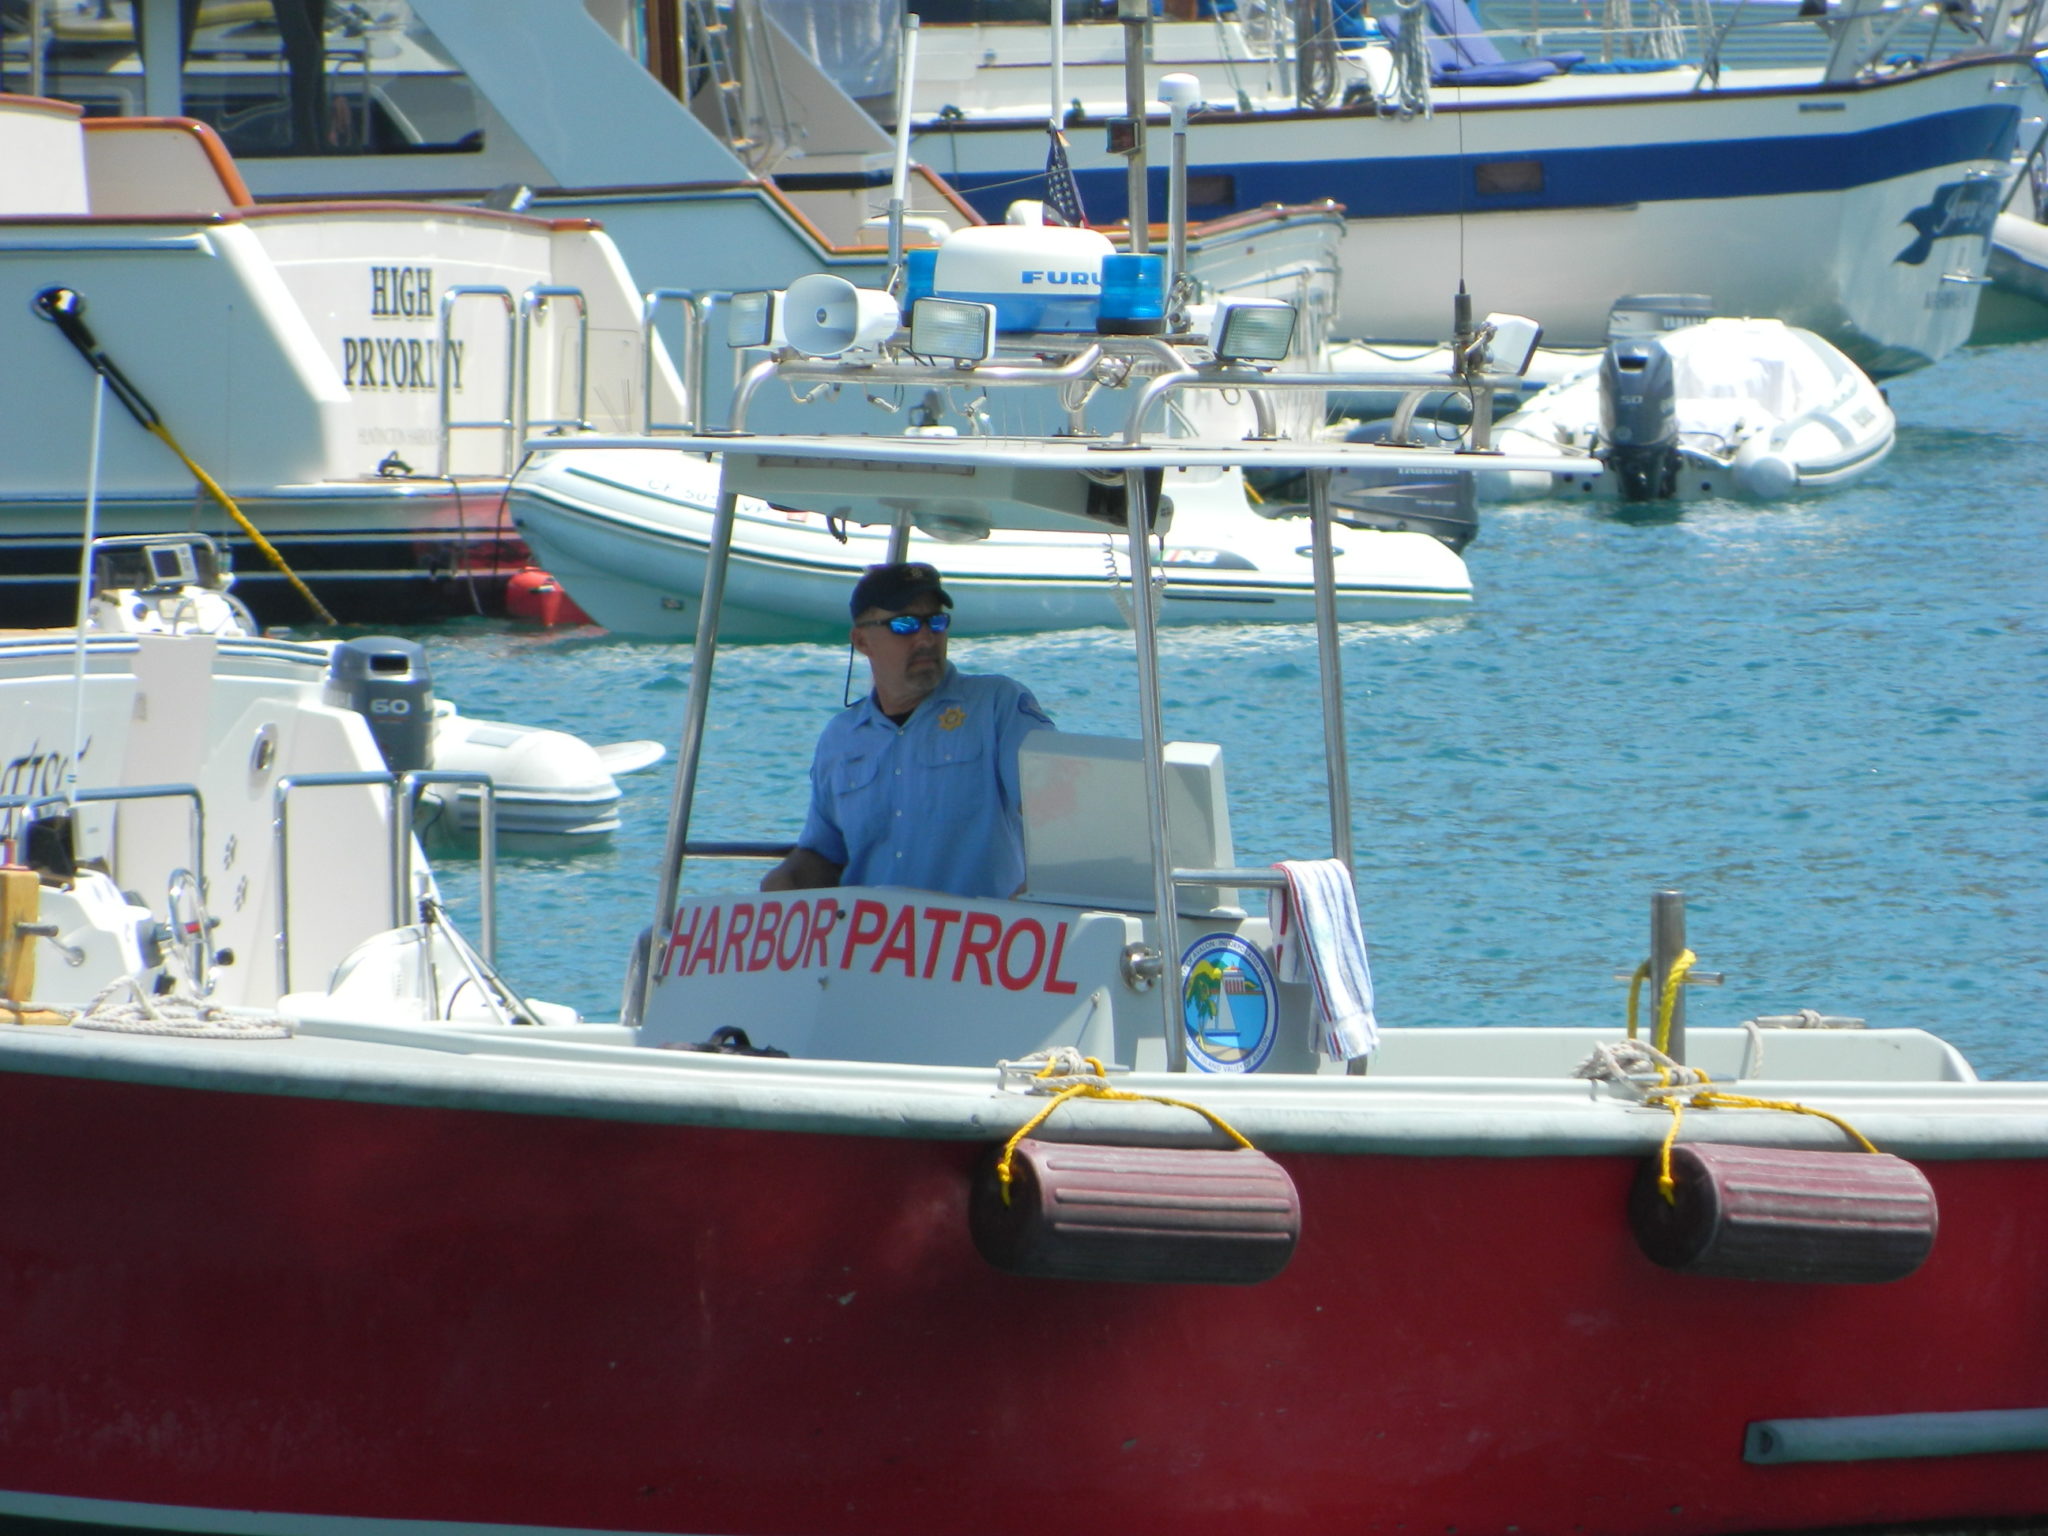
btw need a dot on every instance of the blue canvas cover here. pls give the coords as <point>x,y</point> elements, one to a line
<point>1460,52</point>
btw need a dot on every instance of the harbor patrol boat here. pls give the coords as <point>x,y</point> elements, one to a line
<point>1109,1204</point>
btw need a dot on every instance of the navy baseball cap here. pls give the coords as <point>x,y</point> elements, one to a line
<point>894,588</point>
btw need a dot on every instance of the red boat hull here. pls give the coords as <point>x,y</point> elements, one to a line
<point>233,1301</point>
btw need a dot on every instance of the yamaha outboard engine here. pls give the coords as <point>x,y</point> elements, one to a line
<point>1639,419</point>
<point>387,681</point>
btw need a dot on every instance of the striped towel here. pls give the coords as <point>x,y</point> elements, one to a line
<point>1317,939</point>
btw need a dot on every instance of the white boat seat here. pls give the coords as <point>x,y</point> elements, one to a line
<point>1087,841</point>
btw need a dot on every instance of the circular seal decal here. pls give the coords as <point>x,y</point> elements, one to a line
<point>1229,1006</point>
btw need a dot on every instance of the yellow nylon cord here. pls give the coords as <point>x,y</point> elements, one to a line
<point>1635,986</point>
<point>242,521</point>
<point>1667,1186</point>
<point>1004,1165</point>
<point>1678,1099</point>
<point>1669,1001</point>
<point>1714,1098</point>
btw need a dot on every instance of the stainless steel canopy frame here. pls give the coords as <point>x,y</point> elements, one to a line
<point>1149,370</point>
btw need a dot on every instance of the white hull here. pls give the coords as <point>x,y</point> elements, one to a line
<point>625,532</point>
<point>1775,197</point>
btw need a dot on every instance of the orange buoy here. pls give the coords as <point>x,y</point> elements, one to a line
<point>534,595</point>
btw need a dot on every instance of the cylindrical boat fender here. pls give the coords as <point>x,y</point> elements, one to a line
<point>1764,474</point>
<point>1152,1215</point>
<point>534,595</point>
<point>1773,1213</point>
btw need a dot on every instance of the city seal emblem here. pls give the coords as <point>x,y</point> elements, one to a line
<point>1230,1008</point>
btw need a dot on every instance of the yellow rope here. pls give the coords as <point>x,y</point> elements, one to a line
<point>1679,1097</point>
<point>1678,1100</point>
<point>1667,1186</point>
<point>242,521</point>
<point>1714,1098</point>
<point>1669,1001</point>
<point>1635,985</point>
<point>1004,1167</point>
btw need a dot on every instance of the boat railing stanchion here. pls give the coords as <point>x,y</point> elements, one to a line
<point>1268,425</point>
<point>1480,436</point>
<point>1138,524</point>
<point>689,753</point>
<point>280,832</point>
<point>404,911</point>
<point>444,347</point>
<point>749,385</point>
<point>1329,669</point>
<point>34,807</point>
<point>794,368</point>
<point>533,307</point>
<point>1667,945</point>
<point>1330,664</point>
<point>411,783</point>
<point>696,313</point>
<point>697,359</point>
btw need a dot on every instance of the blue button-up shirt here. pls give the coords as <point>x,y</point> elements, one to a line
<point>933,803</point>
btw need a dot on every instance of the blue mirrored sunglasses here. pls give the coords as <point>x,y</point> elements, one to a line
<point>910,623</point>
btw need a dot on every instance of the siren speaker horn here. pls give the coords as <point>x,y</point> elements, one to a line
<point>823,315</point>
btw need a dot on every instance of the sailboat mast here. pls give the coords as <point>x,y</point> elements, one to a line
<point>1136,15</point>
<point>1057,11</point>
<point>899,182</point>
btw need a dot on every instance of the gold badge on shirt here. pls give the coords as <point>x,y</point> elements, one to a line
<point>953,718</point>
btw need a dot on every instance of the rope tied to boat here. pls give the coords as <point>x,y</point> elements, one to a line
<point>1067,1074</point>
<point>186,1018</point>
<point>1667,1001</point>
<point>1661,1083</point>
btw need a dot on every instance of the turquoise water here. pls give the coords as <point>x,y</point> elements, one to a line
<point>1827,724</point>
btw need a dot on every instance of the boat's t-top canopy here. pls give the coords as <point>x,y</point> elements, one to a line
<point>1098,470</point>
<point>1052,485</point>
<point>1069,481</point>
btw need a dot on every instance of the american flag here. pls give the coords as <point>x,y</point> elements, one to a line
<point>1062,196</point>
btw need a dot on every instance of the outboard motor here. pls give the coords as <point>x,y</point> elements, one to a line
<point>1639,419</point>
<point>387,681</point>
